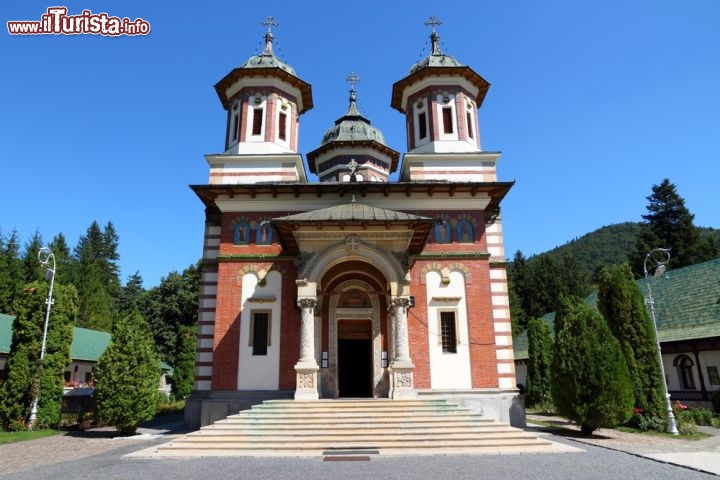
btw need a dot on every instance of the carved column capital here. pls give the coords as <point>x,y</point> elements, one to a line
<point>306,302</point>
<point>400,302</point>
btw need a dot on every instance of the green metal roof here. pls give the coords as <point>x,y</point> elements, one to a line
<point>687,305</point>
<point>5,332</point>
<point>87,345</point>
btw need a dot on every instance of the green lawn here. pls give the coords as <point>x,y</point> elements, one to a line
<point>10,437</point>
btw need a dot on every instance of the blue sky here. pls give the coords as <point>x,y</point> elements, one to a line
<point>591,104</point>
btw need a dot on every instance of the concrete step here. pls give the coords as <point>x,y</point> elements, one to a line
<point>291,427</point>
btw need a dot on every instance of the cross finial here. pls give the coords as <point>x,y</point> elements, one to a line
<point>432,22</point>
<point>353,80</point>
<point>269,22</point>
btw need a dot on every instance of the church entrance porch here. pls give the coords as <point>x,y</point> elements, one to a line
<point>355,359</point>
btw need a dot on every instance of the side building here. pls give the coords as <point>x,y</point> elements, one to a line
<point>354,285</point>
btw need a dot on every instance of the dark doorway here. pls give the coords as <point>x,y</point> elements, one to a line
<point>355,367</point>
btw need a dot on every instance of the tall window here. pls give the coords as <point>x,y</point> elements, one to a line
<point>470,124</point>
<point>448,332</point>
<point>422,125</point>
<point>235,126</point>
<point>260,332</point>
<point>257,121</point>
<point>685,372</point>
<point>442,232</point>
<point>241,233</point>
<point>465,232</point>
<point>282,126</point>
<point>447,119</point>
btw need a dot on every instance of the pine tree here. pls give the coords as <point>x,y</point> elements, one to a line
<point>66,264</point>
<point>127,376</point>
<point>669,224</point>
<point>184,368</point>
<point>540,348</point>
<point>25,373</point>
<point>621,303</point>
<point>130,297</point>
<point>590,380</point>
<point>32,270</point>
<point>11,271</point>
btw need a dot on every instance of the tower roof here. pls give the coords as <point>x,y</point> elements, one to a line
<point>436,64</point>
<point>266,64</point>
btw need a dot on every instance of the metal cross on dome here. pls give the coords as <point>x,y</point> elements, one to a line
<point>352,79</point>
<point>270,22</point>
<point>432,22</point>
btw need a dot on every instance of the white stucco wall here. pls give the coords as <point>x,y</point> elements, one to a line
<point>448,370</point>
<point>260,372</point>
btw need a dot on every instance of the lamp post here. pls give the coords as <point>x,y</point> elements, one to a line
<point>658,259</point>
<point>46,257</point>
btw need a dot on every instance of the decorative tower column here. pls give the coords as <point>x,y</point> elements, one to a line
<point>306,369</point>
<point>401,368</point>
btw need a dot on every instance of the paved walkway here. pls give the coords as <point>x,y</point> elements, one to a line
<point>702,455</point>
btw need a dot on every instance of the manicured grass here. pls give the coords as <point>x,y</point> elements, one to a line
<point>691,436</point>
<point>10,437</point>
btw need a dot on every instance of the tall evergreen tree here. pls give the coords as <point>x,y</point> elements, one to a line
<point>32,270</point>
<point>669,224</point>
<point>184,367</point>
<point>590,379</point>
<point>540,352</point>
<point>127,376</point>
<point>24,371</point>
<point>11,272</point>
<point>621,303</point>
<point>66,264</point>
<point>131,294</point>
<point>96,277</point>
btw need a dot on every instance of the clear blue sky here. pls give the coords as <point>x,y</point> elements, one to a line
<point>591,104</point>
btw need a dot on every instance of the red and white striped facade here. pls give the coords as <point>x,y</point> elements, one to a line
<point>347,287</point>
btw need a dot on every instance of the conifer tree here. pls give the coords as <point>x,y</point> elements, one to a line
<point>11,271</point>
<point>25,373</point>
<point>540,348</point>
<point>669,224</point>
<point>590,380</point>
<point>32,270</point>
<point>127,376</point>
<point>184,368</point>
<point>621,302</point>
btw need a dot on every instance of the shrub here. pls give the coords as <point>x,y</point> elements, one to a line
<point>590,380</point>
<point>648,423</point>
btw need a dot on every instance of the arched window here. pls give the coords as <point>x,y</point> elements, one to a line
<point>241,233</point>
<point>465,232</point>
<point>263,234</point>
<point>443,233</point>
<point>684,366</point>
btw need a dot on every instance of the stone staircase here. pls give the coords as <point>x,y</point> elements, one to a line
<point>354,427</point>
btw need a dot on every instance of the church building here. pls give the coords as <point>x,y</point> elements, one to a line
<point>383,278</point>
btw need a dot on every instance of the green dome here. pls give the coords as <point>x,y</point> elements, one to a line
<point>267,58</point>
<point>436,57</point>
<point>353,126</point>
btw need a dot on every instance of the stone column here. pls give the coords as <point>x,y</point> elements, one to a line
<point>401,368</point>
<point>306,368</point>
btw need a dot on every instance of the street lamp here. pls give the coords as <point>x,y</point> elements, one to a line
<point>45,256</point>
<point>659,259</point>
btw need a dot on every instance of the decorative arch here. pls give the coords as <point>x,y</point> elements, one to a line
<point>444,271</point>
<point>354,249</point>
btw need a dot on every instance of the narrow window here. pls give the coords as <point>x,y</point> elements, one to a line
<point>465,232</point>
<point>422,125</point>
<point>282,122</point>
<point>260,332</point>
<point>470,125</point>
<point>685,372</point>
<point>235,126</point>
<point>241,233</point>
<point>447,119</point>
<point>448,332</point>
<point>257,121</point>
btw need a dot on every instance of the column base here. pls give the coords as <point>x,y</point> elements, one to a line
<point>401,381</point>
<point>306,381</point>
